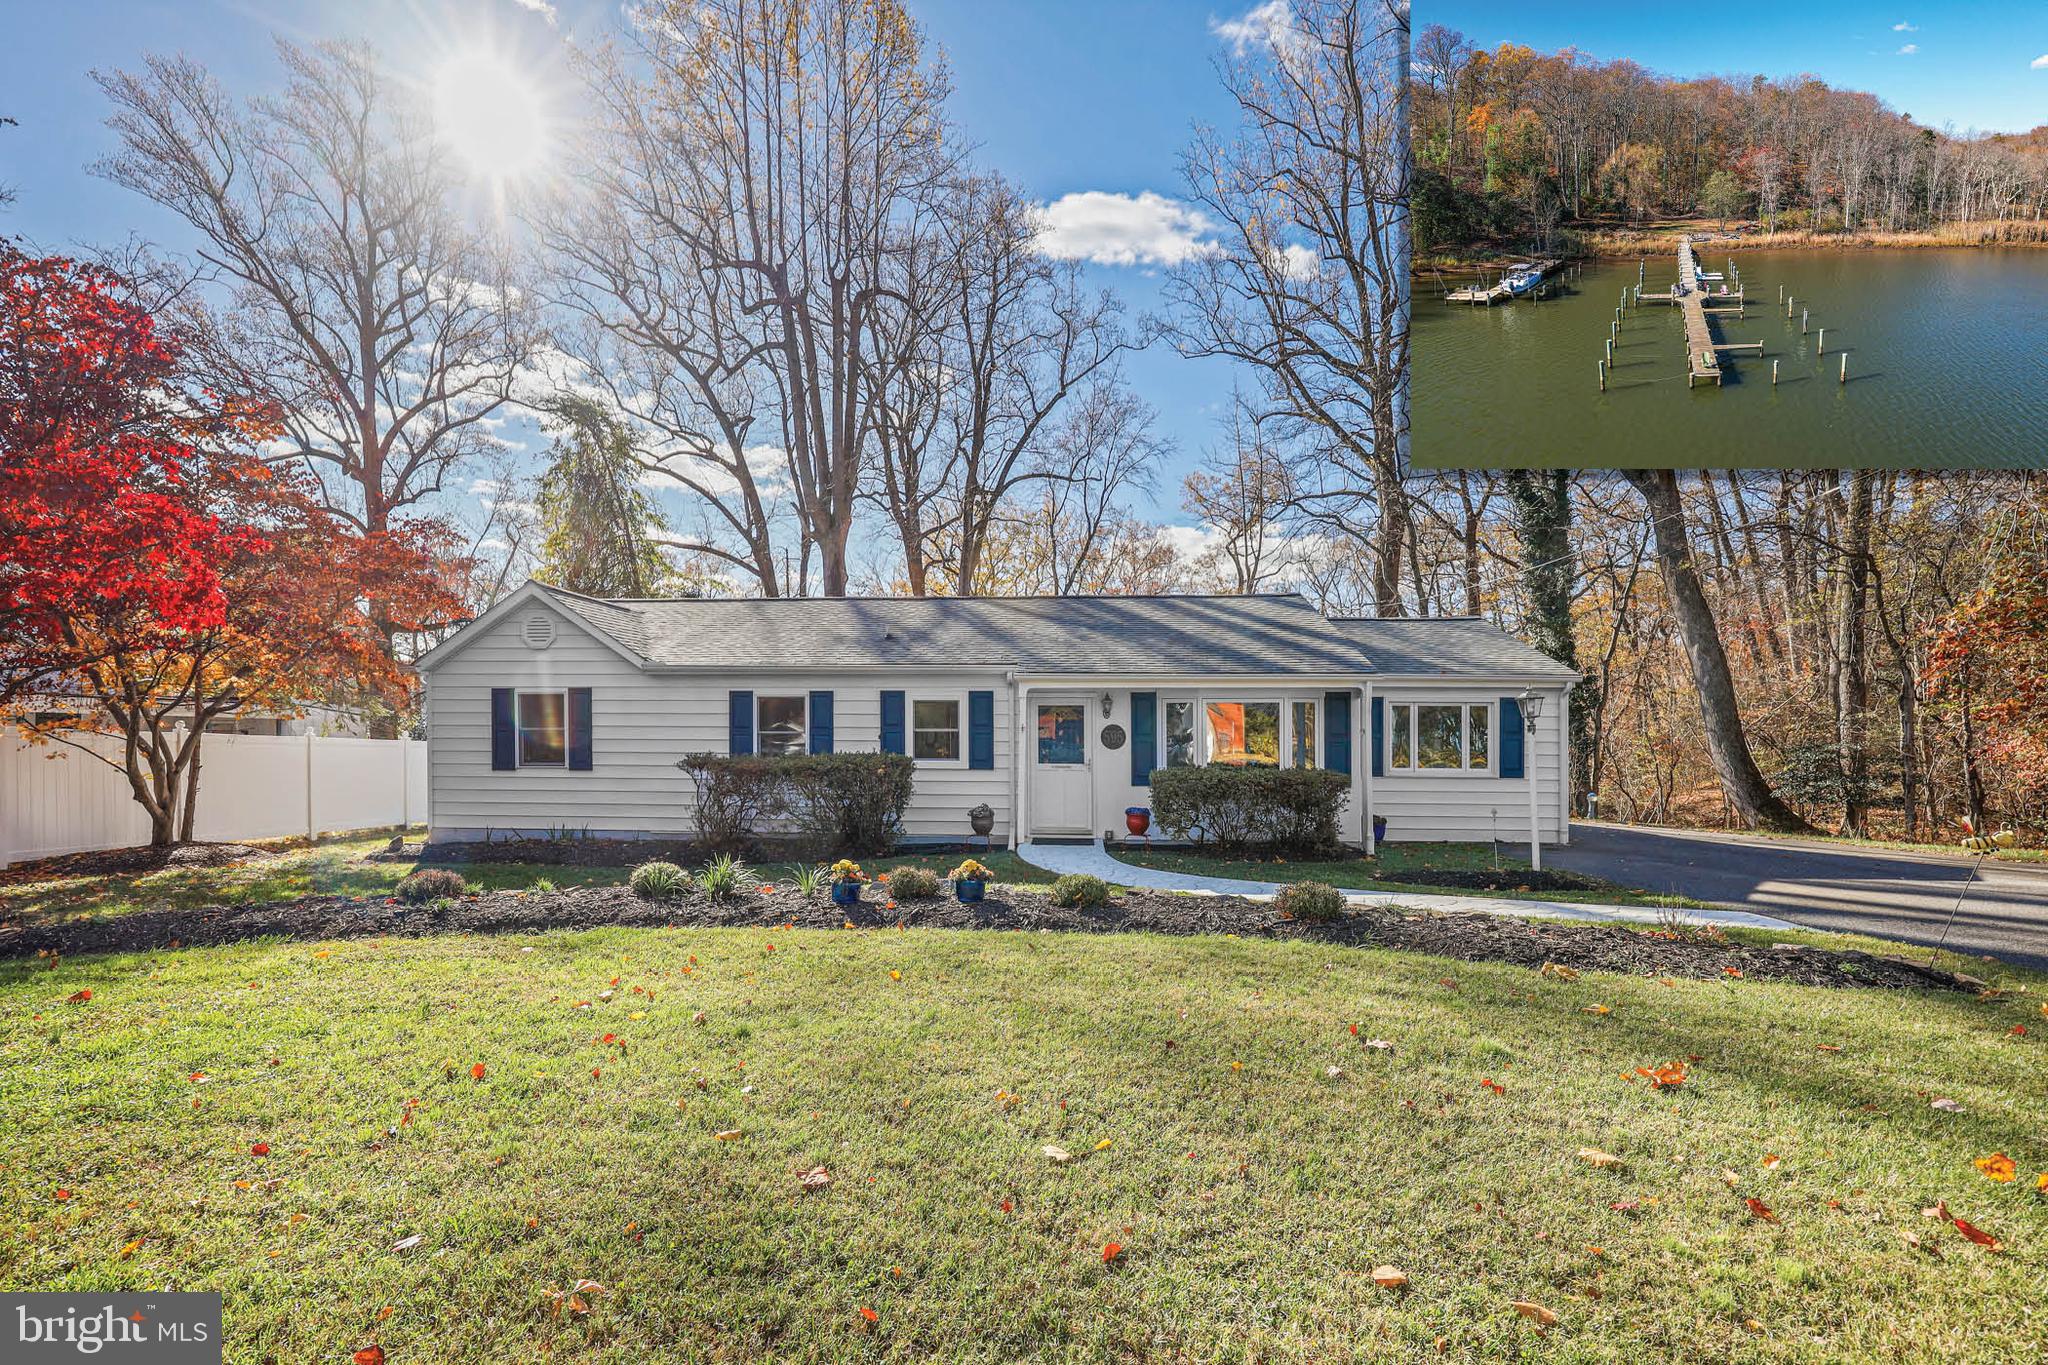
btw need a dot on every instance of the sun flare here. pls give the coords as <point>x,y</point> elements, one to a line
<point>492,115</point>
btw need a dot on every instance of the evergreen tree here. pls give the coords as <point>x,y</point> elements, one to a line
<point>600,532</point>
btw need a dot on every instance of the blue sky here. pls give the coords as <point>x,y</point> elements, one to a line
<point>1976,64</point>
<point>1067,97</point>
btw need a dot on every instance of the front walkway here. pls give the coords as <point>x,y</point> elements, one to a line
<point>1090,858</point>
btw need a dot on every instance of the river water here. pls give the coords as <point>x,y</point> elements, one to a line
<point>1947,353</point>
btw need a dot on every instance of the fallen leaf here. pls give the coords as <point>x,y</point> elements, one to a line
<point>1595,1157</point>
<point>1758,1209</point>
<point>1058,1155</point>
<point>1112,1251</point>
<point>369,1355</point>
<point>1559,971</point>
<point>131,1248</point>
<point>1770,1161</point>
<point>476,1073</point>
<point>1379,1044</point>
<point>2019,1030</point>
<point>259,1149</point>
<point>1975,1234</point>
<point>870,1314</point>
<point>1946,1105</point>
<point>1595,1009</point>
<point>407,1243</point>
<point>727,1134</point>
<point>816,1178</point>
<point>1826,1047</point>
<point>1008,1207</point>
<point>1386,1277</point>
<point>1104,1145</point>
<point>1542,1316</point>
<point>1998,1166</point>
<point>80,997</point>
<point>1488,1083</point>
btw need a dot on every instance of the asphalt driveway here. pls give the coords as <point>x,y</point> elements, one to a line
<point>1906,896</point>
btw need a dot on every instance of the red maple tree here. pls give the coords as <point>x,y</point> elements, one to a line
<point>162,574</point>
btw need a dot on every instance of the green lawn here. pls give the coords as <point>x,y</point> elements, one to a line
<point>1252,1191</point>
<point>338,867</point>
<point>1382,872</point>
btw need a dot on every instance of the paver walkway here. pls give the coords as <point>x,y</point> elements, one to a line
<point>1090,858</point>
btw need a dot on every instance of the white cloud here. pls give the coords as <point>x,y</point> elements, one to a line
<point>1265,25</point>
<point>1123,229</point>
<point>1909,49</point>
<point>1903,27</point>
<point>2040,63</point>
<point>540,7</point>
<point>1299,263</point>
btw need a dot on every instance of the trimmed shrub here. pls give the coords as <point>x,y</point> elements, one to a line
<point>1240,810</point>
<point>431,884</point>
<point>914,883</point>
<point>1079,890</point>
<point>828,803</point>
<point>658,881</point>
<point>1310,902</point>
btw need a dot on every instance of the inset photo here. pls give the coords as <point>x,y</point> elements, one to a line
<point>1807,239</point>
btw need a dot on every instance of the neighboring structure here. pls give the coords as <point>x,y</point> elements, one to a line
<point>556,711</point>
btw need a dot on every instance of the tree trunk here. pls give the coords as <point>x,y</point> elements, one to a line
<point>1751,797</point>
<point>1543,515</point>
<point>1852,693</point>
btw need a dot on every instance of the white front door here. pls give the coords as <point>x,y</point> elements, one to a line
<point>1062,784</point>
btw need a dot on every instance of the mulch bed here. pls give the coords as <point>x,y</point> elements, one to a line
<point>567,852</point>
<point>1363,872</point>
<point>121,862</point>
<point>1468,937</point>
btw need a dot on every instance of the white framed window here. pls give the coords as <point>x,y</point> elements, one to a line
<point>1439,737</point>
<point>937,726</point>
<point>543,724</point>
<point>1182,749</point>
<point>1243,734</point>
<point>781,724</point>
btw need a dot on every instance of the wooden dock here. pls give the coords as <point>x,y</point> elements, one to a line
<point>1490,294</point>
<point>1703,360</point>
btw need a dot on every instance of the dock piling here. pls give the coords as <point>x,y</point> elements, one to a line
<point>1823,344</point>
<point>1845,368</point>
<point>1603,376</point>
<point>1804,315</point>
<point>1774,374</point>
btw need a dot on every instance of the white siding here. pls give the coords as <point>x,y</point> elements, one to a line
<point>641,723</point>
<point>1431,807</point>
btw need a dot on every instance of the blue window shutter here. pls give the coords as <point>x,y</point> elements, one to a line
<point>1379,736</point>
<point>579,729</point>
<point>1337,732</point>
<point>821,722</point>
<point>981,729</point>
<point>1144,737</point>
<point>1510,737</point>
<point>740,730</point>
<point>504,739</point>
<point>892,723</point>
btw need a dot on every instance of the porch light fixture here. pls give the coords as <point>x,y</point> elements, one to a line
<point>1532,707</point>
<point>1108,703</point>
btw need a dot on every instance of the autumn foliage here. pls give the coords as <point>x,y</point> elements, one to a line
<point>160,572</point>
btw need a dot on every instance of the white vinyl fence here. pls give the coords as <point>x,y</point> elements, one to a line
<point>55,800</point>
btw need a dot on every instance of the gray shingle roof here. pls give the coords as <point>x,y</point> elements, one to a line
<point>1449,646</point>
<point>1136,636</point>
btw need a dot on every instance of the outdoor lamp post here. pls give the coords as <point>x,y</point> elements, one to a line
<point>1532,709</point>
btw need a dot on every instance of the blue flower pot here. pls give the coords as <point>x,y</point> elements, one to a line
<point>846,893</point>
<point>969,891</point>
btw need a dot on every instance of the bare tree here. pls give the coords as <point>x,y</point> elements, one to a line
<point>385,327</point>
<point>1241,492</point>
<point>1309,282</point>
<point>795,138</point>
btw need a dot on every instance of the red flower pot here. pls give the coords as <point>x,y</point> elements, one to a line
<point>1137,820</point>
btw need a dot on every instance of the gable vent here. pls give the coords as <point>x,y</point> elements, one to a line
<point>538,631</point>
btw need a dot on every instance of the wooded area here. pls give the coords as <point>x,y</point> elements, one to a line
<point>1516,144</point>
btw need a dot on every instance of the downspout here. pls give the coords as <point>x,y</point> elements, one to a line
<point>1362,758</point>
<point>1016,756</point>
